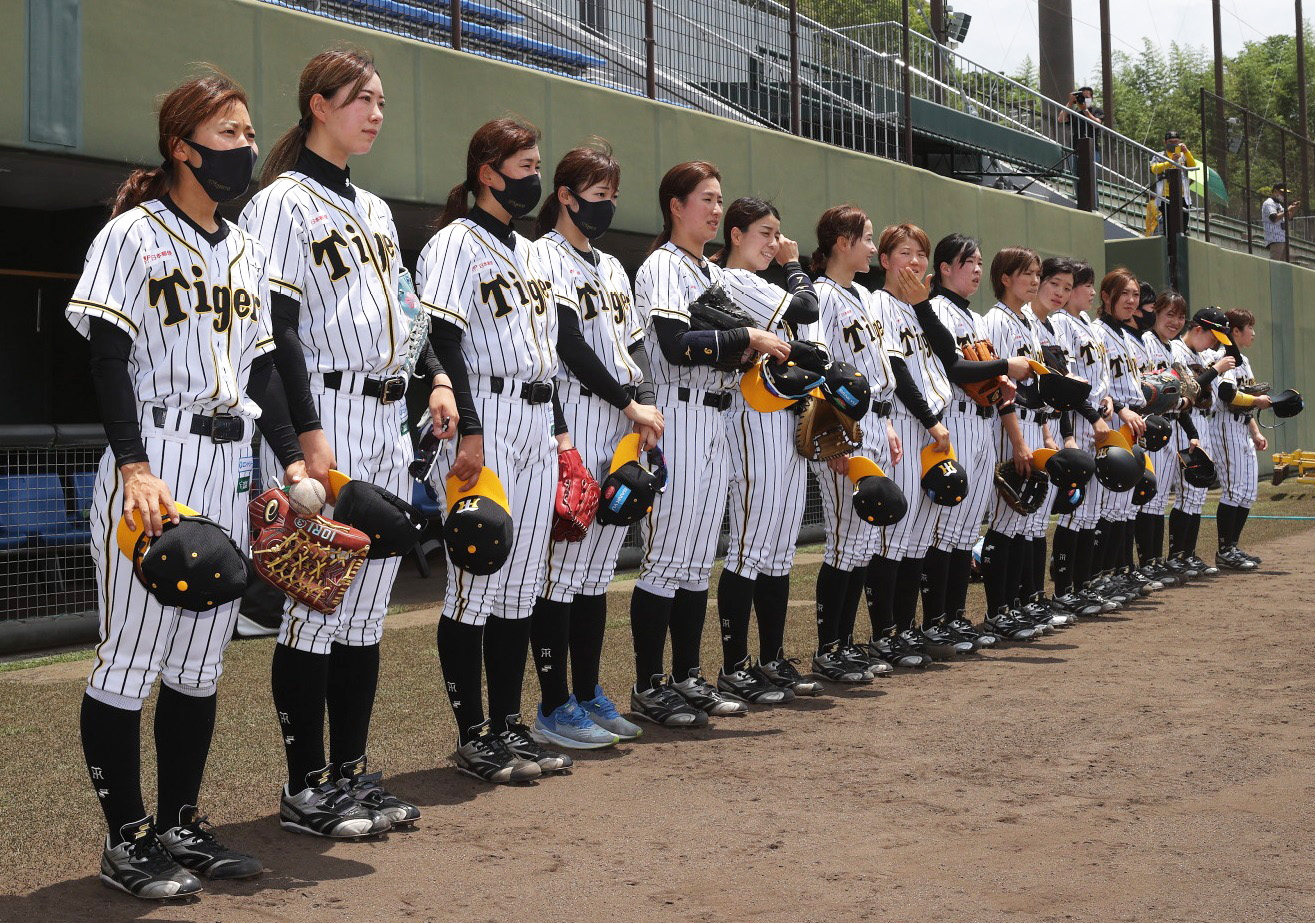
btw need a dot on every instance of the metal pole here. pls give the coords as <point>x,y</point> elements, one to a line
<point>650,48</point>
<point>1302,125</point>
<point>456,24</point>
<point>1054,19</point>
<point>1173,222</point>
<point>1246,160</point>
<point>796,117</point>
<point>1221,126</point>
<point>1205,170</point>
<point>907,139</point>
<point>1086,179</point>
<point>939,37</point>
<point>1106,64</point>
<point>1283,174</point>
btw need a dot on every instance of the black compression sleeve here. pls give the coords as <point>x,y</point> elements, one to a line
<point>1208,375</point>
<point>1188,425</point>
<point>265,387</point>
<point>683,346</point>
<point>583,362</point>
<point>428,363</point>
<point>1089,413</point>
<point>647,392</point>
<point>291,360</point>
<point>959,370</point>
<point>558,418</point>
<point>446,339</point>
<point>909,394</point>
<point>1227,391</point>
<point>110,348</point>
<point>1065,425</point>
<point>803,307</point>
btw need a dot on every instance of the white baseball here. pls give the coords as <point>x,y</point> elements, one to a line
<point>307,496</point>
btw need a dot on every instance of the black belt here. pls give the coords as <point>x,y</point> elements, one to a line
<point>632,391</point>
<point>221,427</point>
<point>978,409</point>
<point>883,408</point>
<point>387,390</point>
<point>532,392</point>
<point>1038,416</point>
<point>719,399</point>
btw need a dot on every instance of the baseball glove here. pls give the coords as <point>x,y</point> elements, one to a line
<point>988,393</point>
<point>1187,384</point>
<point>311,558</point>
<point>824,433</point>
<point>1022,494</point>
<point>1161,390</point>
<point>714,310</point>
<point>577,498</point>
<point>1205,399</point>
<point>1255,389</point>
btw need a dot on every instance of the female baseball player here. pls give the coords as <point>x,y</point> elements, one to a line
<point>1075,531</point>
<point>174,302</point>
<point>1237,439</point>
<point>680,533</point>
<point>854,330</point>
<point>768,477</point>
<point>1120,297</point>
<point>606,391</point>
<point>346,349</point>
<point>496,336</point>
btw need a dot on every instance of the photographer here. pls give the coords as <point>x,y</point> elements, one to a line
<point>1274,216</point>
<point>1084,117</point>
<point>1172,166</point>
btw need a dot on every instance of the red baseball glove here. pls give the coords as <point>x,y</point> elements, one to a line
<point>313,559</point>
<point>577,498</point>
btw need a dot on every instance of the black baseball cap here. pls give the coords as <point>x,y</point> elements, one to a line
<point>393,525</point>
<point>846,389</point>
<point>1215,321</point>
<point>1067,468</point>
<point>193,565</point>
<point>627,493</point>
<point>877,499</point>
<point>1279,185</point>
<point>478,531</point>
<point>1172,135</point>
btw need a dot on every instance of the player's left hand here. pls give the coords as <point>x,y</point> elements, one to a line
<point>1134,421</point>
<point>443,408</point>
<point>1100,427</point>
<point>319,455</point>
<point>1263,401</point>
<point>1259,441</point>
<point>839,464</point>
<point>1194,443</point>
<point>1107,407</point>
<point>1049,442</point>
<point>770,344</point>
<point>295,472</point>
<point>940,437</point>
<point>1070,442</point>
<point>469,461</point>
<point>896,447</point>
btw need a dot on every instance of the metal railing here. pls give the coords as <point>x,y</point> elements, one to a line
<point>1247,153</point>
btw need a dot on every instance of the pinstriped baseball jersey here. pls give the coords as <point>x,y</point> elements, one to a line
<point>963,324</point>
<point>1140,352</point>
<point>855,330</point>
<point>664,287</point>
<point>194,304</point>
<point>764,301</point>
<point>1012,334</point>
<point>1085,352</point>
<point>340,259</point>
<point>909,343</point>
<point>596,286</point>
<point>1125,377</point>
<point>1159,355</point>
<point>497,295</point>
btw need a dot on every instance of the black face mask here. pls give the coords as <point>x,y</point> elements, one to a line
<point>592,218</point>
<point>518,196</point>
<point>1144,320</point>
<point>224,175</point>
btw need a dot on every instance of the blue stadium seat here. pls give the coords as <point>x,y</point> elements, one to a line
<point>49,506</point>
<point>421,500</point>
<point>17,526</point>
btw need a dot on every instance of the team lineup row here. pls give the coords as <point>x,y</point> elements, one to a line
<point>540,357</point>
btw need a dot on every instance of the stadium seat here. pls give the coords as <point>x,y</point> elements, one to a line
<point>50,513</point>
<point>426,504</point>
<point>17,524</point>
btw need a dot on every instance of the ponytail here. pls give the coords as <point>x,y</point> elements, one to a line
<point>455,207</point>
<point>285,153</point>
<point>679,182</point>
<point>492,143</point>
<point>817,262</point>
<point>140,186</point>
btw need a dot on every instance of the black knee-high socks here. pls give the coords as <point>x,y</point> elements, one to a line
<point>935,586</point>
<point>1064,561</point>
<point>997,549</point>
<point>908,584</point>
<point>832,586</point>
<point>879,587</point>
<point>735,597</point>
<point>588,625</point>
<point>649,617</point>
<point>460,659</point>
<point>184,725</point>
<point>854,589</point>
<point>506,643</point>
<point>1148,531</point>
<point>688,610</point>
<point>1180,526</point>
<point>550,645</point>
<point>353,681</point>
<point>1083,554</point>
<point>956,583</point>
<point>111,744</point>
<point>300,681</point>
<point>771,603</point>
<point>1018,565</point>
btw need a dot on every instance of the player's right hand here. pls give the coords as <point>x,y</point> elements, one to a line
<point>469,461</point>
<point>145,494</point>
<point>318,454</point>
<point>1134,421</point>
<point>1263,401</point>
<point>648,421</point>
<point>839,464</point>
<point>940,437</point>
<point>1019,368</point>
<point>1225,364</point>
<point>768,343</point>
<point>896,445</point>
<point>294,472</point>
<point>787,251</point>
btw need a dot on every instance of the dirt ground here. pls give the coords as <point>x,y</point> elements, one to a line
<point>1155,765</point>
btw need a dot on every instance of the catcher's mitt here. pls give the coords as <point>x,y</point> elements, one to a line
<point>714,310</point>
<point>1022,494</point>
<point>992,391</point>
<point>1188,388</point>
<point>1162,391</point>
<point>824,433</point>
<point>311,558</point>
<point>1255,389</point>
<point>577,498</point>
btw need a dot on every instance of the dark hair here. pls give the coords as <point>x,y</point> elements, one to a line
<point>581,167</point>
<point>324,75</point>
<point>954,250</point>
<point>1114,282</point>
<point>181,111</point>
<point>1240,318</point>
<point>1170,300</point>
<point>896,234</point>
<point>1007,262</point>
<point>743,212</point>
<point>678,183</point>
<point>838,221</point>
<point>1056,266</point>
<point>1082,273</point>
<point>492,143</point>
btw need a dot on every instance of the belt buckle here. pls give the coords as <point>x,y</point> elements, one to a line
<point>392,390</point>
<point>539,392</point>
<point>724,400</point>
<point>224,428</point>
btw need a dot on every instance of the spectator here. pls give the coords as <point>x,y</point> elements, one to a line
<point>1083,117</point>
<point>1274,216</point>
<point>1173,164</point>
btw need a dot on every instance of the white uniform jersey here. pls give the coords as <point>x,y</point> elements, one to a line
<point>1159,354</point>
<point>965,326</point>
<point>1124,363</point>
<point>497,294</point>
<point>1012,334</point>
<point>664,287</point>
<point>339,258</point>
<point>1240,375</point>
<point>854,329</point>
<point>909,343</point>
<point>764,301</point>
<point>1085,352</point>
<point>194,304</point>
<point>596,287</point>
<point>1046,336</point>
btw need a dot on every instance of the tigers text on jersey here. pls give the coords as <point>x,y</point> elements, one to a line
<point>499,297</point>
<point>1159,354</point>
<point>964,325</point>
<point>908,342</point>
<point>596,286</point>
<point>1012,334</point>
<point>664,287</point>
<point>1125,379</point>
<point>854,330</point>
<point>1085,351</point>
<point>194,304</point>
<point>339,258</point>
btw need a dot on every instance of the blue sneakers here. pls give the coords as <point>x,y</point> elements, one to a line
<point>604,714</point>
<point>571,727</point>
